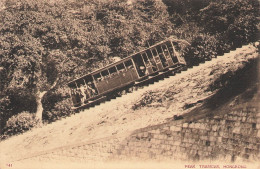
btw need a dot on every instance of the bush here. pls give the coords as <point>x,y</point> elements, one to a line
<point>203,47</point>
<point>19,124</point>
<point>235,19</point>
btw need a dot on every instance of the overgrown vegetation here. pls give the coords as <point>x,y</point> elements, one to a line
<point>18,124</point>
<point>44,43</point>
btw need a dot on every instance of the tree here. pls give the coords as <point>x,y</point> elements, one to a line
<point>235,19</point>
<point>31,56</point>
<point>45,43</point>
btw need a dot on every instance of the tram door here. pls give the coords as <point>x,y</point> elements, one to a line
<point>178,48</point>
<point>75,95</point>
<point>172,52</point>
<point>167,55</point>
<point>157,58</point>
<point>147,63</point>
<point>151,60</point>
<point>140,65</point>
<point>162,56</point>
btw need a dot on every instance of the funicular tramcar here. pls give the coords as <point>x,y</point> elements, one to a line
<point>95,86</point>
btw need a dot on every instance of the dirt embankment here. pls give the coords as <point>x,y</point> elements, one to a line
<point>152,105</point>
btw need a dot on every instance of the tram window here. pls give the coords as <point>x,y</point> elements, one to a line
<point>149,54</point>
<point>89,79</point>
<point>78,82</point>
<point>120,67</point>
<point>97,77</point>
<point>129,64</point>
<point>72,85</point>
<point>105,73</point>
<point>159,49</point>
<point>154,52</point>
<point>177,46</point>
<point>144,57</point>
<point>112,70</point>
<point>166,52</point>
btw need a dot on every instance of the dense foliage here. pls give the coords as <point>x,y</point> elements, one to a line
<point>19,123</point>
<point>214,27</point>
<point>45,43</point>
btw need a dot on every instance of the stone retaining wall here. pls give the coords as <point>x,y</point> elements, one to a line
<point>232,136</point>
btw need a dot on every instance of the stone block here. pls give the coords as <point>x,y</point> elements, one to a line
<point>182,149</point>
<point>204,137</point>
<point>239,118</point>
<point>203,126</point>
<point>258,115</point>
<point>222,122</point>
<point>175,128</point>
<point>185,125</point>
<point>253,140</point>
<point>167,128</point>
<point>237,123</point>
<point>162,137</point>
<point>202,132</point>
<point>177,143</point>
<point>157,141</point>
<point>195,147</point>
<point>191,125</point>
<point>157,131</point>
<point>214,127</point>
<point>258,120</point>
<point>169,153</point>
<point>244,119</point>
<point>156,136</point>
<point>197,125</point>
<point>221,133</point>
<point>192,140</point>
<point>168,133</point>
<point>168,147</point>
<point>187,130</point>
<point>235,118</point>
<point>236,130</point>
<point>258,126</point>
<point>209,148</point>
<point>212,138</point>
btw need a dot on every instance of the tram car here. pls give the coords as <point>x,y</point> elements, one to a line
<point>164,56</point>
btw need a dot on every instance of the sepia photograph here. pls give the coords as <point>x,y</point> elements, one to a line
<point>129,84</point>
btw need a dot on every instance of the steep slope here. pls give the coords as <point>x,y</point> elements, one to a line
<point>151,105</point>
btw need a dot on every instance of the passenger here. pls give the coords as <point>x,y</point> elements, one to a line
<point>78,96</point>
<point>154,67</point>
<point>143,70</point>
<point>86,93</point>
<point>74,97</point>
<point>99,79</point>
<point>82,90</point>
<point>90,89</point>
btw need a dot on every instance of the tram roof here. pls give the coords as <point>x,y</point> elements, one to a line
<point>122,60</point>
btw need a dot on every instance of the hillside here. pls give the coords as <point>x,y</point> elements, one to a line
<point>45,44</point>
<point>149,106</point>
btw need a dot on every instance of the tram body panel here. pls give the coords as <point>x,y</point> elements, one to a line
<point>114,81</point>
<point>125,77</point>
